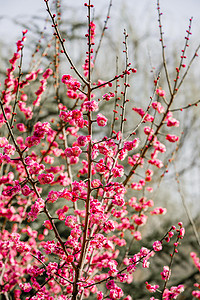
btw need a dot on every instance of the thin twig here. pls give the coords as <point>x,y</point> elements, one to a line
<point>185,107</point>
<point>163,48</point>
<point>55,25</point>
<point>103,32</point>
<point>18,88</point>
<point>186,207</point>
<point>111,80</point>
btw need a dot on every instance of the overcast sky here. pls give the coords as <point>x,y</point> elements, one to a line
<point>175,19</point>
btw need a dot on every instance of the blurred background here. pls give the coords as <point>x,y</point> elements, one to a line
<point>142,14</point>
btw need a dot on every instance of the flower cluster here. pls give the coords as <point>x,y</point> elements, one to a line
<point>90,36</point>
<point>40,129</point>
<point>36,208</point>
<point>72,85</point>
<point>196,260</point>
<point>42,88</point>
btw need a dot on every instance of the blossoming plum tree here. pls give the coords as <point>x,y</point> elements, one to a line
<point>83,183</point>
